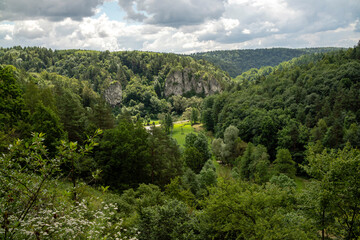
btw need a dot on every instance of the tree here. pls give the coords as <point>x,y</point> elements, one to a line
<point>284,163</point>
<point>101,115</point>
<point>217,148</point>
<point>335,192</point>
<point>179,103</point>
<point>194,116</point>
<point>124,156</point>
<point>46,121</point>
<point>165,161</point>
<point>11,100</point>
<point>206,113</point>
<point>20,192</point>
<point>207,176</point>
<point>334,135</point>
<point>352,135</point>
<point>196,151</point>
<point>193,159</point>
<point>167,221</point>
<point>167,123</point>
<point>319,131</point>
<point>72,157</point>
<point>254,164</point>
<point>25,173</point>
<point>294,136</point>
<point>71,113</point>
<point>246,160</point>
<point>231,139</point>
<point>241,210</point>
<point>190,181</point>
<point>284,182</point>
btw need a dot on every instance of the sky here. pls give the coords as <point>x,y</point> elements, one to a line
<point>179,26</point>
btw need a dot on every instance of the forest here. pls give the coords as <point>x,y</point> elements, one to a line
<point>235,62</point>
<point>274,155</point>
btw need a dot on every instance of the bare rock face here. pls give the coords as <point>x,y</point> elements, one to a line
<point>113,94</point>
<point>181,82</point>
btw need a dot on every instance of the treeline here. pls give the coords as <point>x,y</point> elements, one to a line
<point>235,62</point>
<point>141,75</point>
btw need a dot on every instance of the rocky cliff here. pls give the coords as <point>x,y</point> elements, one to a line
<point>113,94</point>
<point>186,81</point>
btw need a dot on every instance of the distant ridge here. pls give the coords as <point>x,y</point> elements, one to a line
<point>238,61</point>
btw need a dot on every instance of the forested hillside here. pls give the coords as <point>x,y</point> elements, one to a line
<point>276,157</point>
<point>235,62</point>
<point>140,82</point>
<point>296,104</point>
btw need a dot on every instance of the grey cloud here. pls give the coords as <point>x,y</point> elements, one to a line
<point>173,13</point>
<point>131,14</point>
<point>357,26</point>
<point>264,19</point>
<point>24,33</point>
<point>326,14</point>
<point>65,30</point>
<point>53,10</point>
<point>32,29</point>
<point>132,43</point>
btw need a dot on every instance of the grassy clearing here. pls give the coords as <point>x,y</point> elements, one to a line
<point>180,131</point>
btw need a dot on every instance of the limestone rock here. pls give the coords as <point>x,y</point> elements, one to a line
<point>113,94</point>
<point>181,82</point>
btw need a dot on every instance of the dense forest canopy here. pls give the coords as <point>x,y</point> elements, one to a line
<point>141,82</point>
<point>235,62</point>
<point>275,157</point>
<point>288,108</point>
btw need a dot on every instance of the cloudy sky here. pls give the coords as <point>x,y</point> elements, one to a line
<point>181,26</point>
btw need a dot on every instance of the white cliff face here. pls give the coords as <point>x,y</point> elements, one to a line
<point>181,82</point>
<point>113,94</point>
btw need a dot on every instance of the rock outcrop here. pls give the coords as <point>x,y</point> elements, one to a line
<point>113,94</point>
<point>185,81</point>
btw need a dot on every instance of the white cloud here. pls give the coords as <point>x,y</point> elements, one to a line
<point>246,31</point>
<point>31,29</point>
<point>8,38</point>
<point>230,23</point>
<point>357,26</point>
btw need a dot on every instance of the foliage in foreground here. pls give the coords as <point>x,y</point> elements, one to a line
<point>38,203</point>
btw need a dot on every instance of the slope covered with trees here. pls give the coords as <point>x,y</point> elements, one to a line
<point>235,62</point>
<point>140,82</point>
<point>313,102</point>
<point>283,163</point>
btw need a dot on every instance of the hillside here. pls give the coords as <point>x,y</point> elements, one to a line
<point>142,82</point>
<point>236,62</point>
<point>297,104</point>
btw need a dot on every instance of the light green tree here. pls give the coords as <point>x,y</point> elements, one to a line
<point>334,192</point>
<point>25,175</point>
<point>284,163</point>
<point>241,210</point>
<point>194,116</point>
<point>167,123</point>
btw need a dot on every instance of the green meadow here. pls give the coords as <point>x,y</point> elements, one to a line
<point>180,131</point>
